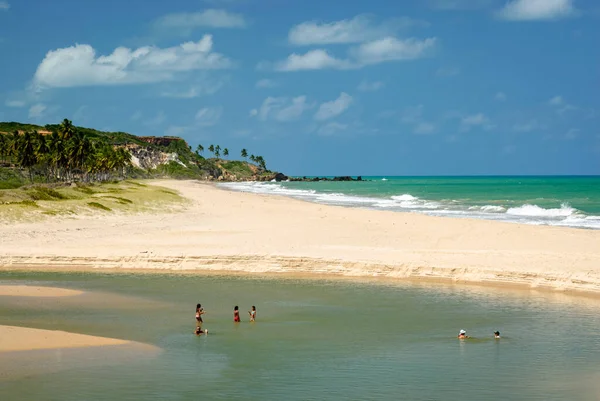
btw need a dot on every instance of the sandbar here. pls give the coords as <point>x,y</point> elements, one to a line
<point>27,339</point>
<point>220,230</point>
<point>36,291</point>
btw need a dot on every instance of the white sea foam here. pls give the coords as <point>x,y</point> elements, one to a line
<point>529,213</point>
<point>536,211</point>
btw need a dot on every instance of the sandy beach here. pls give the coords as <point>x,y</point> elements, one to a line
<point>231,231</point>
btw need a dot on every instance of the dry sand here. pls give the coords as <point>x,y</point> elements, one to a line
<point>232,231</point>
<point>27,339</point>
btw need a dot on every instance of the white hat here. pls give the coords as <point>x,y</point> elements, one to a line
<point>462,332</point>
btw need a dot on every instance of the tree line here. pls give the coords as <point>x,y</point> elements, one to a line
<point>64,155</point>
<point>216,151</point>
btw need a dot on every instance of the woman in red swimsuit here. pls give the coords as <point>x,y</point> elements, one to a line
<point>236,315</point>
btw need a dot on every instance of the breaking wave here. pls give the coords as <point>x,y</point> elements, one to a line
<point>566,215</point>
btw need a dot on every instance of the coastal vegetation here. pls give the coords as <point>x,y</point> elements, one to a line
<point>126,196</point>
<point>64,153</point>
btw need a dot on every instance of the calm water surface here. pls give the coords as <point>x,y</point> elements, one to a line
<point>313,340</point>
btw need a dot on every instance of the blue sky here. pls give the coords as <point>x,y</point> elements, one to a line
<point>380,87</point>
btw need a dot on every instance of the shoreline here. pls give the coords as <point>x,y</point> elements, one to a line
<point>516,288</point>
<point>231,231</point>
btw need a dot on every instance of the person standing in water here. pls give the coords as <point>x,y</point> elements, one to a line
<point>462,334</point>
<point>199,313</point>
<point>236,314</point>
<point>496,334</point>
<point>252,313</point>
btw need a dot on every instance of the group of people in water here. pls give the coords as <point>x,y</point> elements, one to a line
<point>463,334</point>
<point>236,317</point>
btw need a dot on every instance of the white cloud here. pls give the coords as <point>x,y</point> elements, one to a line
<point>424,128</point>
<point>334,108</point>
<point>447,72</point>
<point>37,110</point>
<point>366,86</point>
<point>281,108</point>
<point>317,59</point>
<point>500,96</point>
<point>4,5</point>
<point>194,91</point>
<point>561,105</point>
<point>529,126</point>
<point>185,23</point>
<point>266,83</point>
<point>530,10</point>
<point>80,66</point>
<point>15,103</point>
<point>208,116</point>
<point>332,128</point>
<point>390,48</point>
<point>443,5</point>
<point>356,30</point>
<point>374,52</point>
<point>475,120</point>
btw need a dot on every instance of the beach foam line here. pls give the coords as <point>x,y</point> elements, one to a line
<point>36,291</point>
<point>588,281</point>
<point>564,216</point>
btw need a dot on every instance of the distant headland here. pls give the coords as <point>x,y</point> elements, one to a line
<point>65,153</point>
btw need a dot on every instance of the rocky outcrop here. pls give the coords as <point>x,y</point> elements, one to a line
<point>149,158</point>
<point>315,179</point>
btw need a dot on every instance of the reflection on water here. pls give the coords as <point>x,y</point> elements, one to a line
<point>312,340</point>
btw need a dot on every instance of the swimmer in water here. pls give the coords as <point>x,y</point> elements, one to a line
<point>236,314</point>
<point>463,334</point>
<point>252,313</point>
<point>496,334</point>
<point>199,331</point>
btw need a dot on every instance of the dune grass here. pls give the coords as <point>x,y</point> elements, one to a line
<point>38,202</point>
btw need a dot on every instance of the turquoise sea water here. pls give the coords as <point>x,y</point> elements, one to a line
<point>313,340</point>
<point>561,201</point>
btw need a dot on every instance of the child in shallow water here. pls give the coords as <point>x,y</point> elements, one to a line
<point>252,313</point>
<point>236,314</point>
<point>199,331</point>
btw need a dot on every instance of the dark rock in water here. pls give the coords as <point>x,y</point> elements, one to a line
<point>280,177</point>
<point>317,179</point>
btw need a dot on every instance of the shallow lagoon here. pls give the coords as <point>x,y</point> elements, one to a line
<point>334,340</point>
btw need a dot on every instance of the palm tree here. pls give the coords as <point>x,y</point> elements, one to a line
<point>244,153</point>
<point>66,129</point>
<point>225,152</point>
<point>253,158</point>
<point>3,147</point>
<point>26,152</point>
<point>42,151</point>
<point>217,151</point>
<point>261,162</point>
<point>13,145</point>
<point>56,156</point>
<point>211,149</point>
<point>199,150</point>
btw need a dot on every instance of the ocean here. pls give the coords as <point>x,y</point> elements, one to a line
<point>312,340</point>
<point>556,201</point>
